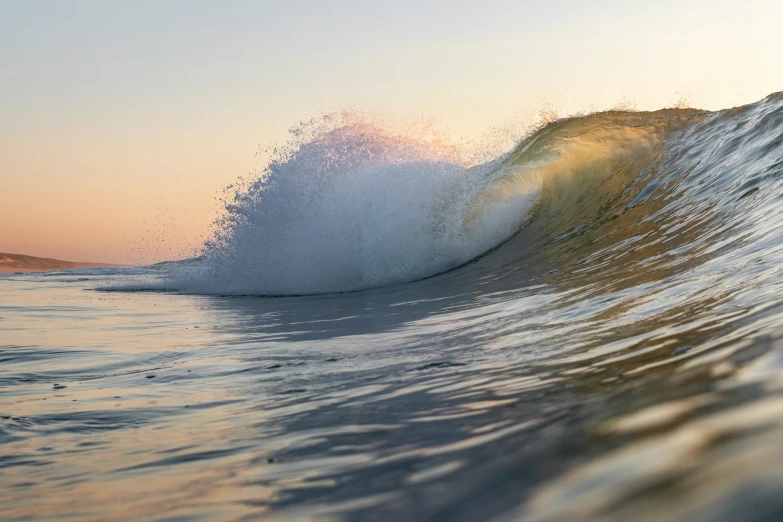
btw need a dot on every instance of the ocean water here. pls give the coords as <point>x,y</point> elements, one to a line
<point>589,327</point>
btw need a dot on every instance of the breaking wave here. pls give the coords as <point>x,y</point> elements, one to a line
<point>350,204</point>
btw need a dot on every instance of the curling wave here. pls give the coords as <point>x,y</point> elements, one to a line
<point>350,205</point>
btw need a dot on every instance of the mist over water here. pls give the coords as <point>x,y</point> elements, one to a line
<point>589,327</point>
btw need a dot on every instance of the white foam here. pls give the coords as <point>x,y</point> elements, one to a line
<point>352,207</point>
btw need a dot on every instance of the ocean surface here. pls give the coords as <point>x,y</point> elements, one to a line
<point>589,327</point>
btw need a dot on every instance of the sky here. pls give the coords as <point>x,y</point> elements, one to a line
<point>121,122</point>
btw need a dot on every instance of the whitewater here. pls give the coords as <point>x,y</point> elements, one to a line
<point>587,327</point>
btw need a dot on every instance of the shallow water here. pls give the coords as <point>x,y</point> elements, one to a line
<point>619,356</point>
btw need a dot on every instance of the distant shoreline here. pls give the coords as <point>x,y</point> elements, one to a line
<point>18,263</point>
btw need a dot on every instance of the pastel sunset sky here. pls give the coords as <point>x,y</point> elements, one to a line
<point>121,122</point>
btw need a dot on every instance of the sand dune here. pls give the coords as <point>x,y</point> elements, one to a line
<point>21,263</point>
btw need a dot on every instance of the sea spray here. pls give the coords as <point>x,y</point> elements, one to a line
<point>348,204</point>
